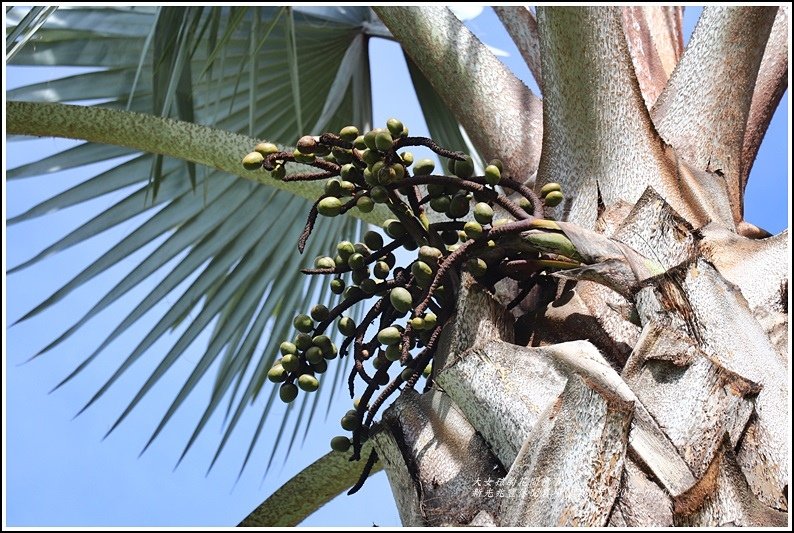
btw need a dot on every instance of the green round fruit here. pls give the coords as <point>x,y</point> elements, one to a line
<point>464,169</point>
<point>345,249</point>
<point>476,266</point>
<point>369,286</point>
<point>430,319</point>
<point>370,157</point>
<point>332,353</point>
<point>525,204</point>
<point>320,366</point>
<point>395,127</point>
<point>373,240</point>
<point>266,149</point>
<point>422,271</point>
<point>291,362</point>
<point>356,261</point>
<point>383,141</point>
<point>369,139</point>
<point>300,157</point>
<point>483,213</point>
<point>394,228</point>
<point>401,299</point>
<point>428,370</point>
<point>288,392</point>
<point>458,207</point>
<point>337,285</point>
<point>407,373</point>
<point>340,444</point>
<point>430,255</point>
<point>349,133</point>
<point>359,144</point>
<point>346,325</point>
<point>407,158</point>
<point>333,187</point>
<point>359,274</point>
<point>550,187</point>
<point>394,352</point>
<point>381,270</point>
<point>399,171</point>
<point>390,335</point>
<point>329,206</point>
<point>349,172</point>
<point>379,194</point>
<point>553,199</point>
<point>449,237</point>
<point>349,422</point>
<point>347,188</point>
<point>314,355</point>
<point>308,383</point>
<point>472,229</point>
<point>492,174</point>
<point>302,341</point>
<point>424,167</point>
<point>498,164</point>
<point>288,348</point>
<point>436,189</point>
<point>365,204</point>
<point>324,262</point>
<point>340,156</point>
<point>303,323</point>
<point>381,379</point>
<point>253,161</point>
<point>418,323</point>
<point>440,204</point>
<point>277,374</point>
<point>320,312</point>
<point>352,292</point>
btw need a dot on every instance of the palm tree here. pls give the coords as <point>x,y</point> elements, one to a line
<point>646,387</point>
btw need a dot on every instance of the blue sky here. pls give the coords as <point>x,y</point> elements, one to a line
<point>59,471</point>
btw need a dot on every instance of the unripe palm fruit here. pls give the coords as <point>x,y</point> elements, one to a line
<point>347,188</point>
<point>324,262</point>
<point>370,157</point>
<point>314,355</point>
<point>436,190</point>
<point>300,157</point>
<point>329,206</point>
<point>253,161</point>
<point>394,352</point>
<point>352,292</point>
<point>383,141</point>
<point>430,255</point>
<point>308,383</point>
<point>320,367</point>
<point>395,127</point>
<point>303,323</point>
<point>291,362</point>
<point>340,156</point>
<point>302,341</point>
<point>553,199</point>
<point>277,374</point>
<point>422,271</point>
<point>483,213</point>
<point>525,204</point>
<point>407,158</point>
<point>498,164</point>
<point>492,174</point>
<point>359,143</point>
<point>369,286</point>
<point>390,335</point>
<point>464,169</point>
<point>387,175</point>
<point>428,370</point>
<point>550,187</point>
<point>332,353</point>
<point>379,194</point>
<point>356,261</point>
<point>399,171</point>
<point>451,166</point>
<point>381,378</point>
<point>288,348</point>
<point>407,373</point>
<point>266,149</point>
<point>373,240</point>
<point>369,138</point>
<point>430,319</point>
<point>418,323</point>
<point>472,229</point>
<point>349,422</point>
<point>440,204</point>
<point>333,187</point>
<point>458,207</point>
<point>401,299</point>
<point>394,228</point>
<point>365,204</point>
<point>278,172</point>
<point>340,444</point>
<point>423,167</point>
<point>346,325</point>
<point>449,237</point>
<point>288,392</point>
<point>345,250</point>
<point>476,266</point>
<point>381,270</point>
<point>319,312</point>
<point>359,274</point>
<point>379,362</point>
<point>349,133</point>
<point>337,285</point>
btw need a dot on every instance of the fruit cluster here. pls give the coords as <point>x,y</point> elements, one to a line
<point>412,302</point>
